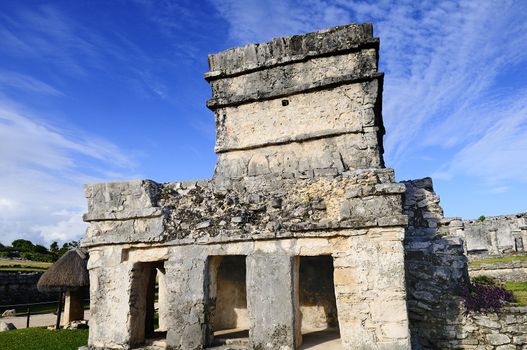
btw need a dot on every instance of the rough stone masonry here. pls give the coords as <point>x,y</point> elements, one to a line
<point>301,228</point>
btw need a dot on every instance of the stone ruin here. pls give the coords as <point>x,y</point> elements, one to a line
<point>491,236</point>
<point>302,236</point>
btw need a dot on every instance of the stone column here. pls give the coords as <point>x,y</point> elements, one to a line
<point>370,293</point>
<point>110,294</point>
<point>271,301</point>
<point>493,235</point>
<point>185,281</point>
<point>73,310</point>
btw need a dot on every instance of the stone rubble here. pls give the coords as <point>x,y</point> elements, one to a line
<point>6,326</point>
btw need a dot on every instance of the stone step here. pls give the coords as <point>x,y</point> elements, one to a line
<point>229,347</point>
<point>231,341</point>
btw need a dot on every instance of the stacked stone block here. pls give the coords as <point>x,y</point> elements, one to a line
<point>300,105</point>
<point>436,269</point>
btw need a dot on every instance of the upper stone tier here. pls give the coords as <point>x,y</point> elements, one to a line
<point>301,105</point>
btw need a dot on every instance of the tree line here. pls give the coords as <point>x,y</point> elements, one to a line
<point>25,249</point>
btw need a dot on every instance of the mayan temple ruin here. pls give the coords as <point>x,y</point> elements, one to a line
<point>302,236</point>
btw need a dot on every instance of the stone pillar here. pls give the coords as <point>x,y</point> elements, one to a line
<point>185,281</point>
<point>524,237</point>
<point>73,310</point>
<point>271,294</point>
<point>370,292</point>
<point>110,294</point>
<point>493,236</point>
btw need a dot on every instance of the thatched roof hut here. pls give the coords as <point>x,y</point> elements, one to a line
<point>69,272</point>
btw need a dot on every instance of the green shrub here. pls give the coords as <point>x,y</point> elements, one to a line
<point>485,280</point>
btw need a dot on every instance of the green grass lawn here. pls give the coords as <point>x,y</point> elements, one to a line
<point>43,339</point>
<point>23,265</point>
<point>504,259</point>
<point>519,289</point>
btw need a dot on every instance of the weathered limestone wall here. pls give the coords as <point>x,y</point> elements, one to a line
<point>264,207</point>
<point>435,270</point>
<point>496,235</point>
<point>506,330</point>
<point>356,218</point>
<point>300,105</point>
<point>270,281</point>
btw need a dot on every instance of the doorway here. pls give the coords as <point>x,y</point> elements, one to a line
<point>228,320</point>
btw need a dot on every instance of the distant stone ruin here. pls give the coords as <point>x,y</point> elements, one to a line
<point>491,236</point>
<point>302,237</point>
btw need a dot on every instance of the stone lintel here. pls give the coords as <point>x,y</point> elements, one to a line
<point>124,215</point>
<point>325,83</point>
<point>289,49</point>
<point>348,228</point>
<point>122,200</point>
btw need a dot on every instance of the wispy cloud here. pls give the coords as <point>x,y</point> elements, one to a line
<point>498,154</point>
<point>12,80</point>
<point>46,34</point>
<point>254,21</point>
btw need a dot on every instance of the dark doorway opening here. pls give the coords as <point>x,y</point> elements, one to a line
<point>228,320</point>
<point>317,303</point>
<point>148,303</point>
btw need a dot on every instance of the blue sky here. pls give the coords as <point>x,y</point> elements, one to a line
<point>95,91</point>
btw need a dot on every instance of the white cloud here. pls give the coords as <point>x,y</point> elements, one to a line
<point>43,172</point>
<point>499,155</point>
<point>69,222</point>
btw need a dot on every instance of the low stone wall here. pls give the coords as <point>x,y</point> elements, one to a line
<point>506,330</point>
<point>504,271</point>
<point>21,287</point>
<point>436,269</point>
